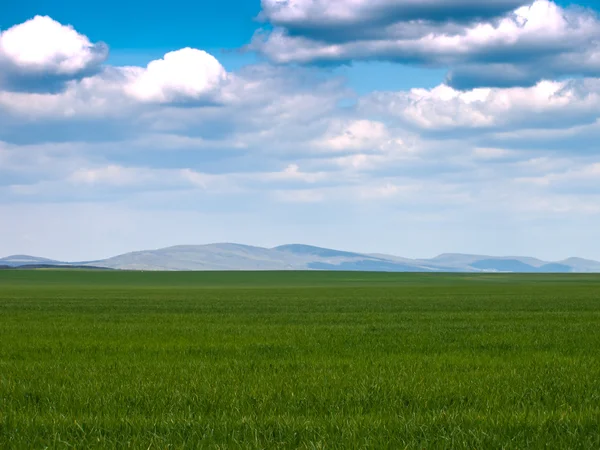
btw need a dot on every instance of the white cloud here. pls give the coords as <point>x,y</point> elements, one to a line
<point>358,135</point>
<point>97,96</point>
<point>293,173</point>
<point>42,54</point>
<point>318,15</point>
<point>64,69</point>
<point>549,104</point>
<point>537,41</point>
<point>257,104</point>
<point>181,76</point>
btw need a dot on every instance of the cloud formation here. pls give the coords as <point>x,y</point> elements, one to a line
<point>548,104</point>
<point>294,143</point>
<point>42,55</point>
<point>504,48</point>
<point>342,19</point>
<point>184,75</point>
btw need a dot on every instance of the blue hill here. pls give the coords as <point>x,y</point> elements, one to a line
<point>298,249</point>
<point>504,265</point>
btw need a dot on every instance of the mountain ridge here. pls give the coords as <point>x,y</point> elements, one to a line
<point>240,257</point>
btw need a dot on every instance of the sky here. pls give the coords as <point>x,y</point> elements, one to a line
<point>410,127</point>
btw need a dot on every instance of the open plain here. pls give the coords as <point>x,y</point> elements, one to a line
<point>298,360</point>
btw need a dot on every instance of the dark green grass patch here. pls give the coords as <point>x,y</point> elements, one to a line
<point>298,360</point>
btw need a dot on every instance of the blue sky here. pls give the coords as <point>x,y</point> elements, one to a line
<point>397,126</point>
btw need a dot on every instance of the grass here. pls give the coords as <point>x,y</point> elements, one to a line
<point>298,360</point>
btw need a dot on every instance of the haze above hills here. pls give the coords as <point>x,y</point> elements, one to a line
<point>304,257</point>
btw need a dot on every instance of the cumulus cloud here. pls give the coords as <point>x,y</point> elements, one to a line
<point>101,95</point>
<point>345,19</point>
<point>535,41</point>
<point>548,104</point>
<point>187,77</point>
<point>255,105</point>
<point>358,136</point>
<point>181,76</point>
<point>42,55</point>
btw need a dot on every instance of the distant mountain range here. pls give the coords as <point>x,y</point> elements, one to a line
<point>304,257</point>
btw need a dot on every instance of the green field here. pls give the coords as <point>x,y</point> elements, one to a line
<point>298,360</point>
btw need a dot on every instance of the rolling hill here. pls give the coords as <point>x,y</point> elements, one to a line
<point>24,260</point>
<point>226,257</point>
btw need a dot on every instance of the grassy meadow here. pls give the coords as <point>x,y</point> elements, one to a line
<point>298,360</point>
